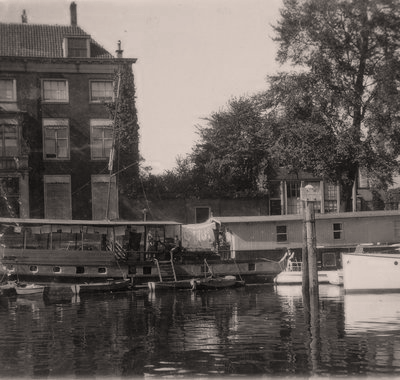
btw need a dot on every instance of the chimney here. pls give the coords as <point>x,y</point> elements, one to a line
<point>24,17</point>
<point>119,51</point>
<point>74,17</point>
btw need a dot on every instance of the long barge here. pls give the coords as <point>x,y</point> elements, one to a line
<point>82,251</point>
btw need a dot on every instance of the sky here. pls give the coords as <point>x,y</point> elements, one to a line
<point>193,56</point>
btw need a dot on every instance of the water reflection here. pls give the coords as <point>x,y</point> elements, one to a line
<point>261,330</point>
<point>376,313</point>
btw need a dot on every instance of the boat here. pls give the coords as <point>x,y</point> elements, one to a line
<point>106,286</point>
<point>170,285</point>
<point>366,270</point>
<point>215,283</point>
<point>93,251</point>
<point>28,289</point>
<point>293,275</point>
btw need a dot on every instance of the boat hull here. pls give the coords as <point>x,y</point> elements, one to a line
<point>215,283</point>
<point>371,272</point>
<point>296,278</point>
<point>170,285</point>
<point>107,286</point>
<point>29,289</point>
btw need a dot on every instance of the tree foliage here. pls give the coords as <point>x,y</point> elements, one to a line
<point>232,151</point>
<point>126,129</point>
<point>340,111</point>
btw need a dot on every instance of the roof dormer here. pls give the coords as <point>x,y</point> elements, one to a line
<point>76,46</point>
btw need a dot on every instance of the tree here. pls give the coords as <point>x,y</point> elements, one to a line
<point>340,111</point>
<point>231,153</point>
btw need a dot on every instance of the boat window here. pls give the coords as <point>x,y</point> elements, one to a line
<point>56,269</point>
<point>102,270</point>
<point>146,270</point>
<point>281,234</point>
<point>252,266</point>
<point>80,270</point>
<point>33,268</point>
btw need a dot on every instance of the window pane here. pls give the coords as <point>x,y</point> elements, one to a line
<point>100,200</point>
<point>9,141</point>
<point>102,91</point>
<point>58,201</point>
<point>55,90</point>
<point>62,148</point>
<point>56,143</point>
<point>7,89</point>
<point>101,142</point>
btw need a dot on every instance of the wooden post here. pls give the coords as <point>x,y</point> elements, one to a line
<point>304,257</point>
<point>311,248</point>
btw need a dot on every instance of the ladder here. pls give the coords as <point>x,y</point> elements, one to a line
<point>166,270</point>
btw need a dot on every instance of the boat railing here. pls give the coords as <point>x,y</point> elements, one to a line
<point>294,266</point>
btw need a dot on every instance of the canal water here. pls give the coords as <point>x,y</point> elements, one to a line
<point>255,331</point>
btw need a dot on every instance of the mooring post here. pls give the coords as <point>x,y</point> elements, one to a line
<point>304,256</point>
<point>311,248</point>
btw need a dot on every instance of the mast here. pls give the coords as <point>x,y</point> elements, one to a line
<point>112,151</point>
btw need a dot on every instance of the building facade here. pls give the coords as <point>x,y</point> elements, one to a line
<point>55,130</point>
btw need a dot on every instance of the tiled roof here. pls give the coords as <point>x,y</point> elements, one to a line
<point>34,40</point>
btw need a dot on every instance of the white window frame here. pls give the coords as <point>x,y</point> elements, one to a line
<point>57,99</point>
<point>338,231</point>
<point>56,124</point>
<point>13,97</point>
<point>100,124</point>
<point>66,46</point>
<point>51,179</point>
<point>103,99</point>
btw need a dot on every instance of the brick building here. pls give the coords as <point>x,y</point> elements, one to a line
<point>55,131</point>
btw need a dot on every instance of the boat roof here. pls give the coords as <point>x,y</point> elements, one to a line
<point>71,222</point>
<point>281,218</point>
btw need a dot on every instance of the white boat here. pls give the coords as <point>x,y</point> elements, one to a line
<point>25,289</point>
<point>371,272</point>
<point>293,275</point>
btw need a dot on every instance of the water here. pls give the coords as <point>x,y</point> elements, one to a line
<point>258,331</point>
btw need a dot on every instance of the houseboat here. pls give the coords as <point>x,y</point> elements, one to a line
<point>95,251</point>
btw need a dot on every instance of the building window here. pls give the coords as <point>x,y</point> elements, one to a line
<point>101,91</point>
<point>281,234</point>
<point>55,90</point>
<point>8,138</point>
<point>202,214</point>
<point>337,231</point>
<point>57,196</point>
<point>76,47</point>
<point>56,139</point>
<point>330,197</point>
<point>101,134</point>
<point>103,196</point>
<point>9,197</point>
<point>8,90</point>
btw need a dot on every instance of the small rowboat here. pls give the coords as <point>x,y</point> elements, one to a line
<point>216,283</point>
<point>25,289</point>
